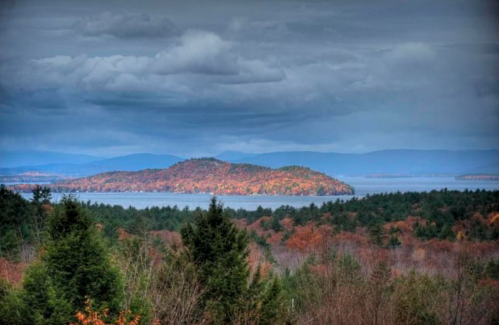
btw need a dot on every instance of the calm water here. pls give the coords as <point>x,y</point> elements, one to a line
<point>362,186</point>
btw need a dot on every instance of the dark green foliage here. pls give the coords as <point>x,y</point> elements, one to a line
<point>21,221</point>
<point>15,222</point>
<point>46,304</point>
<point>41,195</point>
<point>377,234</point>
<point>219,250</point>
<point>492,269</point>
<point>262,302</point>
<point>75,265</point>
<point>393,242</point>
<point>12,308</point>
<point>153,218</point>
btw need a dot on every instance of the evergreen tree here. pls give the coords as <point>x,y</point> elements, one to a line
<point>74,266</point>
<point>41,195</point>
<point>376,234</point>
<point>219,250</point>
<point>41,198</point>
<point>394,242</point>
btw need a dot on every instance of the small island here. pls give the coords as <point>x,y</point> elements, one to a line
<point>478,177</point>
<point>208,175</point>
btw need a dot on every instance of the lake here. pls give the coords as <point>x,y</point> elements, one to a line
<point>362,186</point>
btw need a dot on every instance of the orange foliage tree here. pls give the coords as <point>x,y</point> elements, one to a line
<point>93,317</point>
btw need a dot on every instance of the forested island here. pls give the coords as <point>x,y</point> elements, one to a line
<point>208,175</point>
<point>399,258</point>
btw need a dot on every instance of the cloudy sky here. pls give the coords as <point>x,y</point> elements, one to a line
<point>196,78</point>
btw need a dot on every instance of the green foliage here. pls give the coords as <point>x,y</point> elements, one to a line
<point>377,234</point>
<point>219,250</point>
<point>492,269</point>
<point>41,195</point>
<point>417,299</point>
<point>394,242</point>
<point>15,222</point>
<point>47,303</point>
<point>75,265</point>
<point>12,306</point>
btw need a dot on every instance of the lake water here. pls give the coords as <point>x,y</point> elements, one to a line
<point>362,186</point>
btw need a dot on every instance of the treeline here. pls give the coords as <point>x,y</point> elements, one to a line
<point>444,215</point>
<point>440,210</point>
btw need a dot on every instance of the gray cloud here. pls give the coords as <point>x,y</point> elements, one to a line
<point>350,76</point>
<point>126,26</point>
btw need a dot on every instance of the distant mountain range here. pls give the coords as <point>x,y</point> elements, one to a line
<point>405,162</point>
<point>14,159</point>
<point>124,163</point>
<point>208,175</point>
<point>390,162</point>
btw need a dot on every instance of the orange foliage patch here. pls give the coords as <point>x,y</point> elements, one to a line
<point>275,238</point>
<point>287,223</point>
<point>406,225</point>
<point>12,272</point>
<point>494,218</point>
<point>240,223</point>
<point>91,317</point>
<point>309,237</point>
<point>171,238</point>
<point>122,234</point>
<point>256,259</point>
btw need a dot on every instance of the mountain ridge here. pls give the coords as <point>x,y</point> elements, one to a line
<point>402,162</point>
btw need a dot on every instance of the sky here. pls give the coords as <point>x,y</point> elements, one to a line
<point>196,78</point>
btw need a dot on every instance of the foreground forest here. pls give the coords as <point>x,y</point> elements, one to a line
<point>400,258</point>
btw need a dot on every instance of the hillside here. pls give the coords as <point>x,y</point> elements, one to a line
<point>209,175</point>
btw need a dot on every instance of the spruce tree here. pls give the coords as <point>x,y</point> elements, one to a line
<point>219,250</point>
<point>74,265</point>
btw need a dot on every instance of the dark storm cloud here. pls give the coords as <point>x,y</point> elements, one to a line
<point>196,78</point>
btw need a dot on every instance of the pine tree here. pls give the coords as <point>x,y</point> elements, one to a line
<point>376,234</point>
<point>219,250</point>
<point>74,266</point>
<point>394,242</point>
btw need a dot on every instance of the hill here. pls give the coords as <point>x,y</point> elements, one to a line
<point>209,175</point>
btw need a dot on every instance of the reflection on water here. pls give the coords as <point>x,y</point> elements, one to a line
<point>362,186</point>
